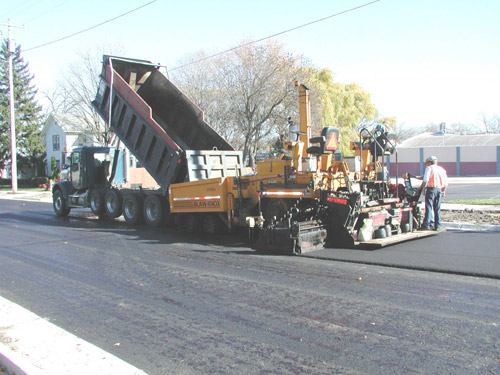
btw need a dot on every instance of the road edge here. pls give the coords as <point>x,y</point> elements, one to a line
<point>31,345</point>
<point>13,363</point>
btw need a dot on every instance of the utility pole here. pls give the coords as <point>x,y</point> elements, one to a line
<point>13,148</point>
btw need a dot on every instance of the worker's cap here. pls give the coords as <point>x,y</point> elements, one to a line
<point>432,159</point>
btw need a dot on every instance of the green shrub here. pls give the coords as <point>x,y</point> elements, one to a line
<point>39,180</point>
<point>23,182</point>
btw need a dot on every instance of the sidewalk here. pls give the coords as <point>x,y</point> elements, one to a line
<point>30,345</point>
<point>41,196</point>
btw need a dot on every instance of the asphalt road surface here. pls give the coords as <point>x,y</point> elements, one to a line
<point>188,305</point>
<point>467,188</point>
<point>472,188</point>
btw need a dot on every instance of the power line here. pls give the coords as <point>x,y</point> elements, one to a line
<point>20,11</point>
<point>275,35</point>
<point>90,28</point>
<point>47,11</point>
<point>13,9</point>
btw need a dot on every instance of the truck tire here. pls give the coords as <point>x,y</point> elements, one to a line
<point>96,201</point>
<point>113,202</point>
<point>154,211</point>
<point>60,204</point>
<point>132,209</point>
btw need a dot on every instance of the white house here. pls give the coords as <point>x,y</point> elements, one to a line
<point>61,133</point>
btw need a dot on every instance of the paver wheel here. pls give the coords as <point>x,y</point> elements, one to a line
<point>212,224</point>
<point>189,223</point>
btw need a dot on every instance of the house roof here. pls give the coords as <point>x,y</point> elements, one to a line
<point>451,140</point>
<point>68,123</point>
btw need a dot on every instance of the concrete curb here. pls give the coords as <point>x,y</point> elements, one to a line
<point>28,196</point>
<point>15,364</point>
<point>33,346</point>
<point>472,227</point>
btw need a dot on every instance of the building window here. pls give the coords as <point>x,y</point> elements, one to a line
<point>55,143</point>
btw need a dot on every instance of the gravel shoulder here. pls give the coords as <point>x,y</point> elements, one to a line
<point>472,216</point>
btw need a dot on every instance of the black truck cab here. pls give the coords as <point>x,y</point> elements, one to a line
<point>85,181</point>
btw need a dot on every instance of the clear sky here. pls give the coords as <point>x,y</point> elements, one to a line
<point>422,61</point>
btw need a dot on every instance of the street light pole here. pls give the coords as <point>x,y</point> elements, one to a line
<point>13,148</point>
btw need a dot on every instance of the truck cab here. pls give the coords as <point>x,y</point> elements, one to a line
<point>85,180</point>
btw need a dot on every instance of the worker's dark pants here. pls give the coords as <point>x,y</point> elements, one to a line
<point>432,218</point>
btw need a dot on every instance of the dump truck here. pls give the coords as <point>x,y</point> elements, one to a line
<point>302,201</point>
<point>161,127</point>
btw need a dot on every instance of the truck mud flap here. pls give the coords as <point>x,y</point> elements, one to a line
<point>295,239</point>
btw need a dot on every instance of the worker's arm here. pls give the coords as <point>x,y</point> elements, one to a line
<point>445,181</point>
<point>425,178</point>
<point>443,189</point>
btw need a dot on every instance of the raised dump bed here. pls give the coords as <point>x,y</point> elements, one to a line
<point>153,118</point>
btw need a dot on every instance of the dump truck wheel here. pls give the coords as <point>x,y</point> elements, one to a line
<point>153,211</point>
<point>113,202</point>
<point>60,205</point>
<point>132,209</point>
<point>96,202</point>
<point>212,224</point>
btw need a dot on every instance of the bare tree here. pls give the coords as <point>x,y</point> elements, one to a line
<point>491,124</point>
<point>247,93</point>
<point>200,81</point>
<point>77,88</point>
<point>464,128</point>
<point>404,131</point>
